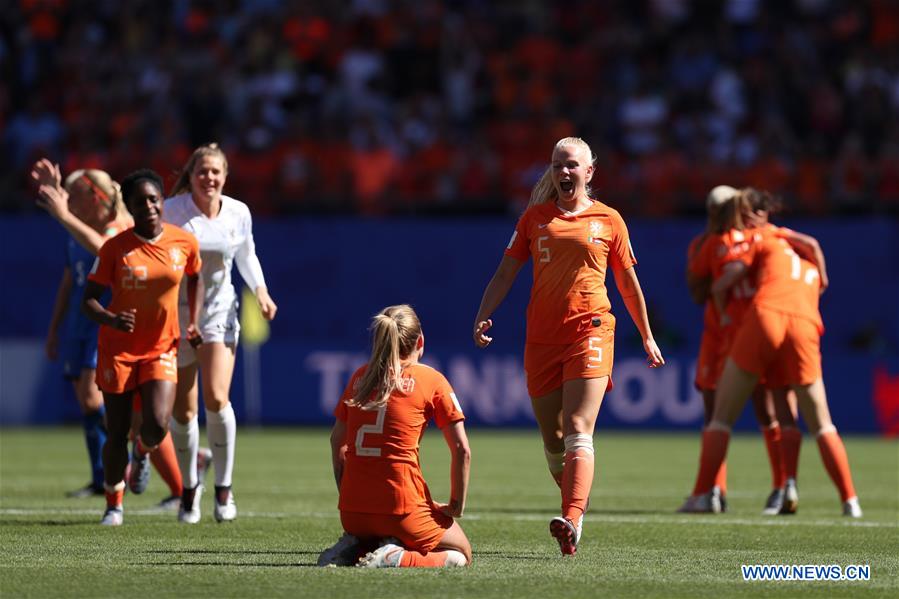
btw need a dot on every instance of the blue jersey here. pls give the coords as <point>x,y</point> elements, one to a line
<point>77,325</point>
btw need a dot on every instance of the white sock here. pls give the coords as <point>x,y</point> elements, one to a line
<point>454,559</point>
<point>186,438</point>
<point>221,428</point>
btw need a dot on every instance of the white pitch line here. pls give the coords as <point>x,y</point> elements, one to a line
<point>609,518</point>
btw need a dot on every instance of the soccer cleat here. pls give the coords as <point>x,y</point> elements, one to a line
<point>791,498</point>
<point>204,458</point>
<point>112,517</point>
<point>139,476</point>
<point>189,510</point>
<point>707,503</point>
<point>225,509</point>
<point>851,508</point>
<point>387,555</point>
<point>345,552</point>
<point>88,490</point>
<point>722,499</point>
<point>566,533</point>
<point>774,503</point>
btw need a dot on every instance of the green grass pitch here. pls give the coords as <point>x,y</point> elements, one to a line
<point>634,544</point>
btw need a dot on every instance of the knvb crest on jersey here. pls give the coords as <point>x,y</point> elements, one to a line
<point>178,258</point>
<point>595,232</point>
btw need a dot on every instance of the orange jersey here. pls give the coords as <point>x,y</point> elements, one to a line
<point>699,266</point>
<point>783,280</point>
<point>382,474</point>
<point>145,276</point>
<point>572,253</point>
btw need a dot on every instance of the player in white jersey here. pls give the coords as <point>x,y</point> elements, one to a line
<point>223,227</point>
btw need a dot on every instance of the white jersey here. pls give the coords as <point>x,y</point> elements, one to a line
<point>225,239</point>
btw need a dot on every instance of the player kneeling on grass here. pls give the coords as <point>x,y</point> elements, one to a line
<point>380,419</point>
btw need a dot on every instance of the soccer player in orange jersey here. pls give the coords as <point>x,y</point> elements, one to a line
<point>705,264</point>
<point>573,241</point>
<point>380,419</point>
<point>138,338</point>
<point>779,339</point>
<point>91,209</point>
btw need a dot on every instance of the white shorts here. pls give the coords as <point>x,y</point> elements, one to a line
<point>220,327</point>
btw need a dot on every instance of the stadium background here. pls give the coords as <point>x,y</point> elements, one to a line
<point>386,148</point>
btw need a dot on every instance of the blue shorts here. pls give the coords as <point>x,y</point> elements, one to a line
<point>78,354</point>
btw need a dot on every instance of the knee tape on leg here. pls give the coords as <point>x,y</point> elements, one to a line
<point>555,461</point>
<point>579,441</point>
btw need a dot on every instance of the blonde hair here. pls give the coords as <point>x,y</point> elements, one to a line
<point>395,331</point>
<point>104,188</point>
<point>544,190</point>
<point>182,184</point>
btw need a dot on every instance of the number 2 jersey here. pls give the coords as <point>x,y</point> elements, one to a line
<point>144,275</point>
<point>571,253</point>
<point>382,473</point>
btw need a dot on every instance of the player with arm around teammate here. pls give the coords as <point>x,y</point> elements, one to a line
<point>139,334</point>
<point>779,339</point>
<point>380,419</point>
<point>573,240</point>
<point>224,228</point>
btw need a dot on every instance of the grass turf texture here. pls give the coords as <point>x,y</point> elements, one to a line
<point>634,544</point>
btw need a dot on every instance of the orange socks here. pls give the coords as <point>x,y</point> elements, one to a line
<point>721,478</point>
<point>714,449</point>
<point>165,461</point>
<point>115,495</point>
<point>775,457</point>
<point>577,476</point>
<point>434,559</point>
<point>833,453</point>
<point>790,442</point>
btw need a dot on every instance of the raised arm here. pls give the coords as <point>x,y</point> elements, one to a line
<point>494,294</point>
<point>460,468</point>
<point>629,288</point>
<point>338,450</point>
<point>809,248</point>
<point>63,292</point>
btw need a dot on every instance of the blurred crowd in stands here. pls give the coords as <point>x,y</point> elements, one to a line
<point>433,107</point>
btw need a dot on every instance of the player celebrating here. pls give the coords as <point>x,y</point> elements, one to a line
<point>90,208</point>
<point>139,333</point>
<point>706,260</point>
<point>573,240</point>
<point>224,229</point>
<point>779,339</point>
<point>380,419</point>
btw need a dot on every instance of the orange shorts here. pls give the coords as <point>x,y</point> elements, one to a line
<point>547,366</point>
<point>421,530</point>
<point>115,375</point>
<point>713,351</point>
<point>783,348</point>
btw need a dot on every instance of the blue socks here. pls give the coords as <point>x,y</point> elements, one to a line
<point>95,438</point>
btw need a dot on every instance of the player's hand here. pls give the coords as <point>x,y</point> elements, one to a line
<point>193,336</point>
<point>266,305</point>
<point>55,200</point>
<point>51,346</point>
<point>480,328</point>
<point>45,172</point>
<point>653,353</point>
<point>124,321</point>
<point>453,509</point>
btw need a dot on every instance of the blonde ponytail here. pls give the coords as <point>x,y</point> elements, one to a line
<point>544,190</point>
<point>394,331</point>
<point>104,188</point>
